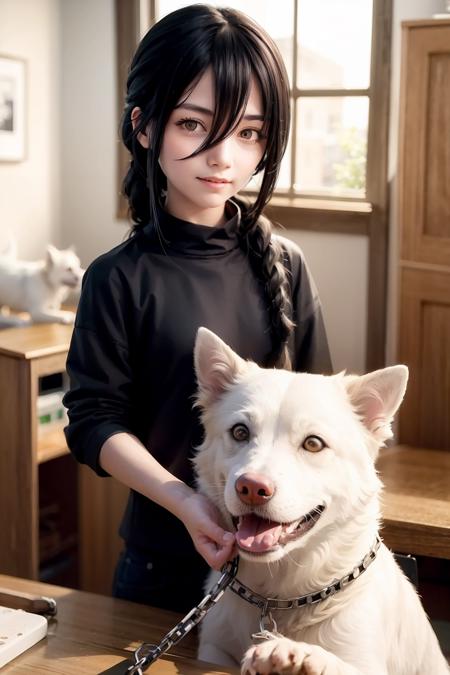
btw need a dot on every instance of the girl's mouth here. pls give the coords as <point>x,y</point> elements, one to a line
<point>214,182</point>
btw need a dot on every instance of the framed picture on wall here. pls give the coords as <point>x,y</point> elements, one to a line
<point>12,109</point>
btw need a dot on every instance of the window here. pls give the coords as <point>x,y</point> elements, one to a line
<point>334,175</point>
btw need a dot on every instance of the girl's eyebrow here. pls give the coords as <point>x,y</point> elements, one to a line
<point>206,111</point>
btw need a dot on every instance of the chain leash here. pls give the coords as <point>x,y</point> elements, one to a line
<point>147,653</point>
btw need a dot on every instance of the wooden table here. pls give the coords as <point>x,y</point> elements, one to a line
<point>94,632</point>
<point>416,500</point>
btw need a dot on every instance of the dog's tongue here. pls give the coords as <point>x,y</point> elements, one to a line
<point>256,534</point>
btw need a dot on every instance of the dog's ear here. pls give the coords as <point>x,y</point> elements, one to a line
<point>216,365</point>
<point>376,397</point>
<point>52,254</point>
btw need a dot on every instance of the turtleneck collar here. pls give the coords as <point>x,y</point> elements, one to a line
<point>190,239</point>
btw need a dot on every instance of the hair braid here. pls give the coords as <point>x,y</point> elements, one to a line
<point>134,185</point>
<point>266,258</point>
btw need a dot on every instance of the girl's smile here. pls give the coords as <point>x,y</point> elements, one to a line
<point>215,182</point>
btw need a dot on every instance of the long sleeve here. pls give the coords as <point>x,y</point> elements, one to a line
<point>99,400</point>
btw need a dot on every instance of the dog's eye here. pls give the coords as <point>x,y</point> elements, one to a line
<point>313,444</point>
<point>240,433</point>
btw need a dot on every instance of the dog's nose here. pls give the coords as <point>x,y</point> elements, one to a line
<point>254,488</point>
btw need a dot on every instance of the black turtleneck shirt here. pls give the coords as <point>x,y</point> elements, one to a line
<point>131,357</point>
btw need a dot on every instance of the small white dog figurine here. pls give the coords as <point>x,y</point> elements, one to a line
<point>288,459</point>
<point>38,287</point>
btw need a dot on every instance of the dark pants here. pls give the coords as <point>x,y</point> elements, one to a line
<point>169,582</point>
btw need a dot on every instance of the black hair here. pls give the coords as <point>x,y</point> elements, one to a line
<point>168,63</point>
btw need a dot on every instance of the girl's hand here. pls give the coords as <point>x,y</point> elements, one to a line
<point>201,519</point>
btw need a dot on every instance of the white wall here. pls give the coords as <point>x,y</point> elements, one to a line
<point>89,127</point>
<point>339,264</point>
<point>29,190</point>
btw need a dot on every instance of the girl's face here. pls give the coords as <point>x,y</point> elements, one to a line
<point>197,188</point>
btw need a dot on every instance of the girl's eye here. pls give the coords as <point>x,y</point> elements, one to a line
<point>313,444</point>
<point>251,134</point>
<point>189,125</point>
<point>240,433</point>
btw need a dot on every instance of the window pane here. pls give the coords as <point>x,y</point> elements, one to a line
<point>334,44</point>
<point>279,24</point>
<point>331,145</point>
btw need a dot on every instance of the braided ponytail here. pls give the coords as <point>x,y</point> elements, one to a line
<point>266,258</point>
<point>135,185</point>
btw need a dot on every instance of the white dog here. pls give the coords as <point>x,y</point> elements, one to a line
<point>38,287</point>
<point>289,461</point>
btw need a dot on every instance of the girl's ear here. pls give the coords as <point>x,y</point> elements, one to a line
<point>135,117</point>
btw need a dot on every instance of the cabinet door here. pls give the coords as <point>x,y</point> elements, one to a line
<point>425,145</point>
<point>424,418</point>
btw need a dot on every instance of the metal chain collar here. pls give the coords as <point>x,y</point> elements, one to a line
<point>267,604</point>
<point>147,653</point>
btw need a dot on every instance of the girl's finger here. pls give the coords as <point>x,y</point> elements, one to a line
<point>216,533</point>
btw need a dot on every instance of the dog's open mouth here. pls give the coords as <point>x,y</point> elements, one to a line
<point>258,535</point>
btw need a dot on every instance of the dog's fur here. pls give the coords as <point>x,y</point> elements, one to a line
<point>37,288</point>
<point>376,624</point>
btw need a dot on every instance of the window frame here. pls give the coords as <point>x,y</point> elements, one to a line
<point>345,215</point>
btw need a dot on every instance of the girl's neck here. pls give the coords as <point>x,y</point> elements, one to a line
<point>214,217</point>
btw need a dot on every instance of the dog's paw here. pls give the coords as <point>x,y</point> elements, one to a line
<point>281,656</point>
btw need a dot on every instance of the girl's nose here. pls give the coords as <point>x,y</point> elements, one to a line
<point>220,155</point>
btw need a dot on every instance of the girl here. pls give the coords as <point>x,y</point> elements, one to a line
<point>207,108</point>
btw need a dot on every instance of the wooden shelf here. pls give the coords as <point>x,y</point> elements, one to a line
<point>27,354</point>
<point>51,444</point>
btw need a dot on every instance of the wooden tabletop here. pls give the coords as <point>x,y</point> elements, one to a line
<point>93,632</point>
<point>416,500</point>
<point>30,342</point>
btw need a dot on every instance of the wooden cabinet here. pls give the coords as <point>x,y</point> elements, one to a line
<point>38,475</point>
<point>424,217</point>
